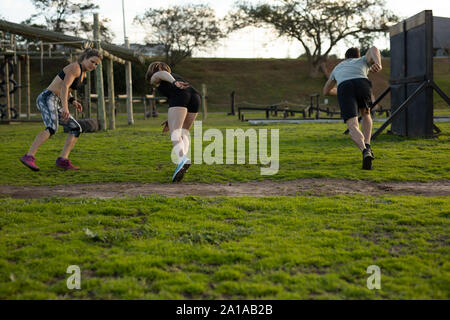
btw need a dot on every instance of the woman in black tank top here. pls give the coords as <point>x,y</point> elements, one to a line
<point>53,103</point>
<point>184,102</point>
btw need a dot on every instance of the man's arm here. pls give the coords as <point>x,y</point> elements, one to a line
<point>373,58</point>
<point>329,88</point>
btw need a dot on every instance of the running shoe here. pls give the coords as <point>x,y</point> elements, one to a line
<point>65,164</point>
<point>181,169</point>
<point>367,159</point>
<point>368,147</point>
<point>29,162</point>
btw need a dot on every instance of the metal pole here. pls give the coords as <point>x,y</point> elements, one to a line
<point>123,16</point>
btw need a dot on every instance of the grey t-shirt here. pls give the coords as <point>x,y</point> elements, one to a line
<point>352,68</point>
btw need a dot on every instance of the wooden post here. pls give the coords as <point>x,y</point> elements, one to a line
<point>8,101</point>
<point>129,83</point>
<point>42,59</point>
<point>13,60</point>
<point>14,46</point>
<point>19,90</point>
<point>87,94</point>
<point>232,103</point>
<point>204,106</point>
<point>154,112</point>
<point>144,99</point>
<point>112,102</point>
<point>101,115</point>
<point>28,88</point>
<point>75,96</point>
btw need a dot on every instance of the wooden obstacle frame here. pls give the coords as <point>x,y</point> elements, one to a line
<point>411,80</point>
<point>111,53</point>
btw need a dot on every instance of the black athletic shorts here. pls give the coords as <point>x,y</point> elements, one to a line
<point>354,94</point>
<point>188,98</point>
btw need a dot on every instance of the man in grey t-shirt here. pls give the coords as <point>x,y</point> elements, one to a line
<point>354,91</point>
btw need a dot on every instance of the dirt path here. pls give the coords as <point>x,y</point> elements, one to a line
<point>313,187</point>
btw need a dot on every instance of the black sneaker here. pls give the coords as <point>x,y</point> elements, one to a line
<point>367,159</point>
<point>368,147</point>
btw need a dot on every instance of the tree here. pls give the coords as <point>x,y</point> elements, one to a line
<point>68,16</point>
<point>366,42</point>
<point>181,29</point>
<point>317,24</point>
<point>385,53</point>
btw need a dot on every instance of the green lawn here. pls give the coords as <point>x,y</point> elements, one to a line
<point>141,153</point>
<point>226,248</point>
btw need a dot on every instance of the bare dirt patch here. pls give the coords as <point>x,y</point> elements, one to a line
<point>311,187</point>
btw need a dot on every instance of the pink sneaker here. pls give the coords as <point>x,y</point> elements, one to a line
<point>65,164</point>
<point>29,162</point>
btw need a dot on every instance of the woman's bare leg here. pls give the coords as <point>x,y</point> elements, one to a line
<point>38,141</point>
<point>188,122</point>
<point>175,118</point>
<point>68,146</point>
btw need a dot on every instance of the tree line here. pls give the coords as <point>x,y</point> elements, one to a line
<point>318,25</point>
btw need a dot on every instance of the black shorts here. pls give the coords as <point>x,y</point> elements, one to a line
<point>354,94</point>
<point>188,98</point>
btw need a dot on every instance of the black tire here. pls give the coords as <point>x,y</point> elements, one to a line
<point>13,87</point>
<point>82,125</point>
<point>94,124</point>
<point>88,125</point>
<point>13,112</point>
<point>3,68</point>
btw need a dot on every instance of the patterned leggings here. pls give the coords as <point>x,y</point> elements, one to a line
<point>50,106</point>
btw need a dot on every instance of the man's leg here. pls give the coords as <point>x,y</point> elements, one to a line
<point>356,134</point>
<point>366,125</point>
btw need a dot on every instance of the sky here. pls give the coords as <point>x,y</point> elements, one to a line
<point>247,43</point>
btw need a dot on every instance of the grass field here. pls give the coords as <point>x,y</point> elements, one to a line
<point>194,247</point>
<point>157,247</point>
<point>141,153</point>
<point>225,248</point>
